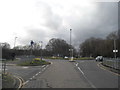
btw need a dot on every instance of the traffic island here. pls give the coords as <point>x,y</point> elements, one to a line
<point>34,62</point>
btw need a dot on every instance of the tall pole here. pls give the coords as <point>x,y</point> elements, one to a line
<point>15,41</point>
<point>115,48</point>
<point>71,51</point>
<point>41,49</point>
<point>31,43</point>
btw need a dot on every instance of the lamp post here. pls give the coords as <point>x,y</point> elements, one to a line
<point>15,41</point>
<point>41,49</point>
<point>71,50</point>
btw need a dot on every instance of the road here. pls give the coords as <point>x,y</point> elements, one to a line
<point>65,74</point>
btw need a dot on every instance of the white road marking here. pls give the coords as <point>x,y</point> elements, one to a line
<point>25,67</point>
<point>36,74</point>
<point>39,72</point>
<point>80,70</point>
<point>86,77</point>
<point>43,66</point>
<point>77,64</point>
<point>33,76</point>
<point>47,66</point>
<point>26,82</point>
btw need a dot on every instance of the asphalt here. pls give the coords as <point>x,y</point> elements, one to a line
<point>98,76</point>
<point>60,74</point>
<point>65,74</point>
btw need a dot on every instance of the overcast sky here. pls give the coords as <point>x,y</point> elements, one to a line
<point>41,20</point>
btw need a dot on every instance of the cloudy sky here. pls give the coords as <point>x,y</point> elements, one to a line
<point>41,20</point>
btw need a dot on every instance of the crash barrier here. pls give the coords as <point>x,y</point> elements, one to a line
<point>112,62</point>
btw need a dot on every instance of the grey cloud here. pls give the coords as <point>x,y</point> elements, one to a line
<point>104,21</point>
<point>53,21</point>
<point>97,24</point>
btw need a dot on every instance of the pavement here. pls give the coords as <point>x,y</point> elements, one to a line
<point>65,74</point>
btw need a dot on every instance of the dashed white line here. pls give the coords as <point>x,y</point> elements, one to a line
<point>39,72</point>
<point>84,75</point>
<point>80,70</point>
<point>26,82</point>
<point>25,67</point>
<point>36,74</point>
<point>43,66</point>
<point>77,64</point>
<point>33,76</point>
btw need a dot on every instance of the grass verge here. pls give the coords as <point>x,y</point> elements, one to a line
<point>7,81</point>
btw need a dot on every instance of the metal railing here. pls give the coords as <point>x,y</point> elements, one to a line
<point>112,62</point>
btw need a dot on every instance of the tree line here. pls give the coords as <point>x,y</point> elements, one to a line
<point>91,47</point>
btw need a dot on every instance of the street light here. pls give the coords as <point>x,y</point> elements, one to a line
<point>71,50</point>
<point>41,49</point>
<point>15,41</point>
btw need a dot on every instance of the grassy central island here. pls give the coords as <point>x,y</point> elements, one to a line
<point>34,62</point>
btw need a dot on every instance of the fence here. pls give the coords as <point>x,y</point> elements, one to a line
<point>111,62</point>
